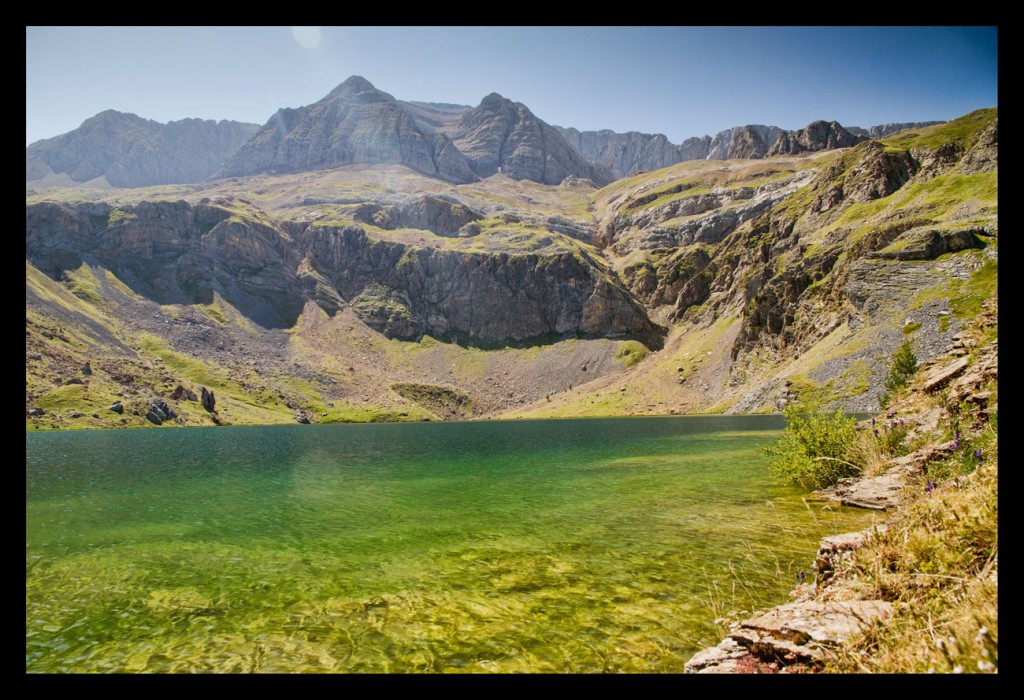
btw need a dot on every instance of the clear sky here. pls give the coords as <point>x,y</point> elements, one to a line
<point>679,81</point>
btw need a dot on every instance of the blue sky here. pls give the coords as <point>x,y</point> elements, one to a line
<point>679,81</point>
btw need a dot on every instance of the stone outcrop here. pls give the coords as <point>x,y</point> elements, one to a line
<point>182,393</point>
<point>747,143</point>
<point>129,151</point>
<point>176,253</point>
<point>478,298</point>
<point>816,136</point>
<point>208,399</point>
<point>882,130</point>
<point>159,412</point>
<point>429,213</point>
<point>796,633</point>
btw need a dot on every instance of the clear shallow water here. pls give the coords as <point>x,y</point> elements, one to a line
<point>597,545</point>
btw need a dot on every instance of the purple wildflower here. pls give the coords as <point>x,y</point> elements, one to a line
<point>930,487</point>
<point>875,431</point>
<point>800,576</point>
<point>872,422</point>
<point>977,453</point>
<point>901,422</point>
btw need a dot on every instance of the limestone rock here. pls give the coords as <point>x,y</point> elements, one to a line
<point>803,631</point>
<point>876,493</point>
<point>159,412</point>
<point>129,151</point>
<point>181,393</point>
<point>816,136</point>
<point>428,213</point>
<point>832,550</point>
<point>926,243</point>
<point>747,143</point>
<point>501,136</point>
<point>208,400</point>
<point>938,377</point>
<point>354,123</point>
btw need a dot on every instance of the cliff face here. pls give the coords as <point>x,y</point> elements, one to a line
<point>129,151</point>
<point>175,253</point>
<point>626,154</point>
<point>504,136</point>
<point>405,292</point>
<point>816,136</point>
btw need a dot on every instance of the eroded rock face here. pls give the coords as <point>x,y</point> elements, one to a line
<point>172,252</point>
<point>747,144</point>
<point>428,213</point>
<point>504,136</point>
<point>129,151</point>
<point>405,291</point>
<point>354,123</point>
<point>816,136</point>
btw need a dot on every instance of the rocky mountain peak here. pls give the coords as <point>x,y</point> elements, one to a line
<point>357,88</point>
<point>495,102</point>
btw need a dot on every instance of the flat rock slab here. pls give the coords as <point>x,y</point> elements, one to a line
<point>877,492</point>
<point>938,377</point>
<point>803,631</point>
<point>724,658</point>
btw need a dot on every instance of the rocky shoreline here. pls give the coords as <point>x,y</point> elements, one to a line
<point>797,637</point>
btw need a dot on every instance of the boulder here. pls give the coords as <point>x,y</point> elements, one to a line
<point>208,400</point>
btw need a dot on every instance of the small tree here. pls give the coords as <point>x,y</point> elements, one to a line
<point>904,367</point>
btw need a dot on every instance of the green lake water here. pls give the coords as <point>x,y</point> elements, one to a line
<point>601,545</point>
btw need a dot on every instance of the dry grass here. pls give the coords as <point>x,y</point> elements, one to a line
<point>938,564</point>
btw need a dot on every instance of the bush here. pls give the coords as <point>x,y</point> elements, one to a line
<point>812,450</point>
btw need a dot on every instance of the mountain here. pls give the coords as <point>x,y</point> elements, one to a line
<point>504,136</point>
<point>354,123</point>
<point>374,292</point>
<point>633,152</point>
<point>816,136</point>
<point>882,130</point>
<point>129,151</point>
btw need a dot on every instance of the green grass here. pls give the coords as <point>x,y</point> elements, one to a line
<point>439,400</point>
<point>631,353</point>
<point>967,297</point>
<point>963,131</point>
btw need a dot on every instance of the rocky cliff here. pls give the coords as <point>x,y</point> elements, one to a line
<point>880,130</point>
<point>816,136</point>
<point>504,136</point>
<point>129,151</point>
<point>177,253</point>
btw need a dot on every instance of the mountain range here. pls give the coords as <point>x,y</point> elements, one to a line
<point>363,258</point>
<point>358,124</point>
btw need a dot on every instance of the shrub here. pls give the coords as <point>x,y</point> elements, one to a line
<point>904,367</point>
<point>812,450</point>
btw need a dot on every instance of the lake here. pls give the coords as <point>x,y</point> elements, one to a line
<point>598,545</point>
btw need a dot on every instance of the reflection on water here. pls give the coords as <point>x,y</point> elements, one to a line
<point>534,546</point>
